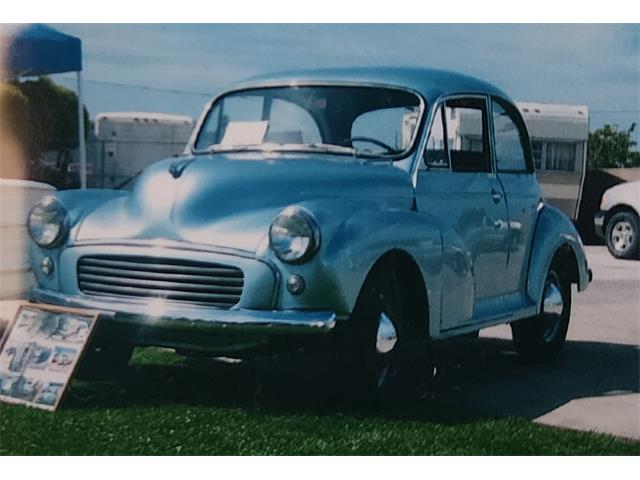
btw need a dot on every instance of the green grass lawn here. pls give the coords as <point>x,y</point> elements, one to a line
<point>166,407</point>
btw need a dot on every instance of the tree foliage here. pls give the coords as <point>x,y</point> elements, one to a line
<point>14,132</point>
<point>51,131</point>
<point>611,148</point>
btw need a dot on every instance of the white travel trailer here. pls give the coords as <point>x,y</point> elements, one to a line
<point>126,142</point>
<point>559,135</point>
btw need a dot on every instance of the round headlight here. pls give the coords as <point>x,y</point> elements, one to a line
<point>294,235</point>
<point>47,222</point>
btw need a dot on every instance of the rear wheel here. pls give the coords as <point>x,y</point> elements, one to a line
<point>390,352</point>
<point>541,338</point>
<point>622,235</point>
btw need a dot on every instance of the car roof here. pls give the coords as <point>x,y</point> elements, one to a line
<point>430,83</point>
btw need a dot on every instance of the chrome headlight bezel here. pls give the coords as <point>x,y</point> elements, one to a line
<point>58,218</point>
<point>299,224</point>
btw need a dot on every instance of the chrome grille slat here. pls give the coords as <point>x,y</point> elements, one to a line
<point>151,277</point>
<point>177,277</point>
<point>195,287</point>
<point>161,267</point>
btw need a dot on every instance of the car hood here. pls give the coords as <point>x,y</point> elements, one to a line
<point>230,200</point>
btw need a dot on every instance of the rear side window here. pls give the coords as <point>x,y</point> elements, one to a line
<point>510,139</point>
<point>467,138</point>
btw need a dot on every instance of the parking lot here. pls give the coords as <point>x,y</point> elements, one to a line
<point>594,385</point>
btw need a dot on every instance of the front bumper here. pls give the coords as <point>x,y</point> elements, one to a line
<point>191,327</point>
<point>598,223</point>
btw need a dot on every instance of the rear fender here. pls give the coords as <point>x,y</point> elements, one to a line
<point>553,232</point>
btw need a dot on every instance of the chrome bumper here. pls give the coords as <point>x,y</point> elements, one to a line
<point>171,317</point>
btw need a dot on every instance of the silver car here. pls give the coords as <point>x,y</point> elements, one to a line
<point>369,211</point>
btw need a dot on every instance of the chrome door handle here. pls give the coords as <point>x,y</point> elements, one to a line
<point>496,195</point>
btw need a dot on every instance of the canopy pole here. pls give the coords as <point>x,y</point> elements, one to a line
<point>82,148</point>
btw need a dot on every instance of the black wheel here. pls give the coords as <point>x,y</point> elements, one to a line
<point>104,363</point>
<point>390,352</point>
<point>541,338</point>
<point>622,235</point>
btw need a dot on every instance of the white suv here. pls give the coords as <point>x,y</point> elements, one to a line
<point>617,221</point>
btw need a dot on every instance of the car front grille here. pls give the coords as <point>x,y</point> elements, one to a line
<point>168,278</point>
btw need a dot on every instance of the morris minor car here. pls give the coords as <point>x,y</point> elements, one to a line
<point>370,210</point>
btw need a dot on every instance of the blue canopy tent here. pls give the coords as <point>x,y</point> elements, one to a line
<point>40,50</point>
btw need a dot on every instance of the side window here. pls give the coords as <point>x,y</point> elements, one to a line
<point>435,153</point>
<point>510,140</point>
<point>467,138</point>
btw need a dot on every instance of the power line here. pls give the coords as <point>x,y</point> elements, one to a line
<point>209,94</point>
<point>145,87</point>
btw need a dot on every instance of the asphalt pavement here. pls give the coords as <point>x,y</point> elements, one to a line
<point>595,383</point>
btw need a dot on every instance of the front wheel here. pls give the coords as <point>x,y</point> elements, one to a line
<point>391,355</point>
<point>541,338</point>
<point>622,235</point>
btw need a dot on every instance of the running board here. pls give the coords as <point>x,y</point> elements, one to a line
<point>523,311</point>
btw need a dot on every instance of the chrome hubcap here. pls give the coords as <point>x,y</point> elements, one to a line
<point>622,236</point>
<point>386,337</point>
<point>552,306</point>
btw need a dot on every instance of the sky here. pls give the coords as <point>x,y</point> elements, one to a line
<point>593,65</point>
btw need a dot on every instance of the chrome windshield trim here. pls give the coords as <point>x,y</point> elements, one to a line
<point>190,148</point>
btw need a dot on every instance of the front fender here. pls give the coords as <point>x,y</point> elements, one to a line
<point>553,231</point>
<point>354,237</point>
<point>78,204</point>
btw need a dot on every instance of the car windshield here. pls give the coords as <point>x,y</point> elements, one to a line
<point>347,120</point>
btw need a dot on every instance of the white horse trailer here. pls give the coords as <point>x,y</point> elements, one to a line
<point>559,135</point>
<point>126,142</point>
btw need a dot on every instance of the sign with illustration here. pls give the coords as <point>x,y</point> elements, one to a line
<point>39,353</point>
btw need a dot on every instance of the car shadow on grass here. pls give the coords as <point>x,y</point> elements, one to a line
<point>477,379</point>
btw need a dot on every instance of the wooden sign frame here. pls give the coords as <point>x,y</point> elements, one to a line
<point>39,352</point>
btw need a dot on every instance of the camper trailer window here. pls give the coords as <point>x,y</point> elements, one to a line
<point>561,156</point>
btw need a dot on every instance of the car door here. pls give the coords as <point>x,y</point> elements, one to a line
<point>515,171</point>
<point>456,184</point>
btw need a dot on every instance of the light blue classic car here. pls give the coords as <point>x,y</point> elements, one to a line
<point>372,210</point>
